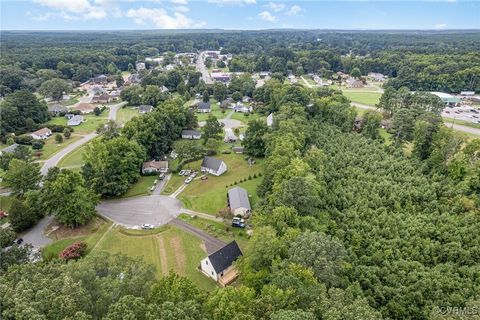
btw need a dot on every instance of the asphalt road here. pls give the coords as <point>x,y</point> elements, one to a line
<point>212,244</point>
<point>35,235</point>
<point>227,123</point>
<point>203,69</point>
<point>133,212</point>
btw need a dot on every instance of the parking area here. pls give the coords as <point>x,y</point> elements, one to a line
<point>156,210</point>
<point>464,113</point>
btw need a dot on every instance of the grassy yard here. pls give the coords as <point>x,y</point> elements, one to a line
<point>125,114</point>
<point>363,97</point>
<point>89,126</point>
<point>209,195</point>
<point>141,187</point>
<point>90,233</point>
<point>252,116</point>
<point>51,146</point>
<point>167,248</point>
<point>5,202</point>
<point>73,159</point>
<point>218,230</point>
<point>215,111</point>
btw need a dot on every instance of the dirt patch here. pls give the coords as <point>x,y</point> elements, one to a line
<point>180,257</point>
<point>58,232</point>
<point>163,255</point>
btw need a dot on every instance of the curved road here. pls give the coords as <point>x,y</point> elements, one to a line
<point>55,159</point>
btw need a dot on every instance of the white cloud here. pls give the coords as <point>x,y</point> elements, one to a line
<point>161,19</point>
<point>267,16</point>
<point>182,9</point>
<point>232,2</point>
<point>294,10</point>
<point>276,6</point>
<point>183,2</point>
<point>440,26</point>
<point>75,9</point>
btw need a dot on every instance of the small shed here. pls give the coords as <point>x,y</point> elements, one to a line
<point>238,202</point>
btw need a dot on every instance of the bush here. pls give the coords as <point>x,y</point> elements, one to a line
<point>58,138</point>
<point>20,216</point>
<point>37,145</point>
<point>74,251</point>
<point>58,128</point>
<point>254,176</point>
<point>26,140</point>
<point>7,236</point>
<point>37,154</point>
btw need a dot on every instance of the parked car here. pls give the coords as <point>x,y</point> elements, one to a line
<point>238,223</point>
<point>19,241</point>
<point>181,173</point>
<point>152,188</point>
<point>147,226</point>
<point>204,178</point>
<point>161,176</point>
<point>474,111</point>
<point>447,111</point>
<point>187,172</point>
<point>188,180</point>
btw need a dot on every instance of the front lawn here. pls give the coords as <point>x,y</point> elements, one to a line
<point>73,159</point>
<point>252,116</point>
<point>5,202</point>
<point>363,97</point>
<point>209,195</point>
<point>125,114</point>
<point>167,248</point>
<point>91,233</point>
<point>216,111</point>
<point>141,187</point>
<point>90,125</point>
<point>51,146</point>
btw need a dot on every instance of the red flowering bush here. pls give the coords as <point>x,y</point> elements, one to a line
<point>73,251</point>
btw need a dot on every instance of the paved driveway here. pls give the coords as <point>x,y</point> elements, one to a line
<point>35,235</point>
<point>133,212</point>
<point>227,123</point>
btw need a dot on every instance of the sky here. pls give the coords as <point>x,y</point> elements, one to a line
<point>237,14</point>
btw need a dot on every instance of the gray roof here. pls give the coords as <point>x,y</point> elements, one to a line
<point>145,108</point>
<point>57,108</point>
<point>77,119</point>
<point>10,148</point>
<point>191,133</point>
<point>224,258</point>
<point>203,105</point>
<point>211,163</point>
<point>238,198</point>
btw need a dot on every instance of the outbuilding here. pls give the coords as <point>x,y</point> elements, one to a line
<point>238,202</point>
<point>191,134</point>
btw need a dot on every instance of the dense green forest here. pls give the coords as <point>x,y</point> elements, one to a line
<point>446,61</point>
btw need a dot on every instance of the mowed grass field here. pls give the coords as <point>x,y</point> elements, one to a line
<point>73,159</point>
<point>167,248</point>
<point>125,114</point>
<point>141,187</point>
<point>89,126</point>
<point>363,97</point>
<point>51,146</point>
<point>209,195</point>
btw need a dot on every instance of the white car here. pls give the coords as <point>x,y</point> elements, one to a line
<point>188,180</point>
<point>147,226</point>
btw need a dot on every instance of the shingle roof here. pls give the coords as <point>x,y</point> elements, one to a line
<point>238,198</point>
<point>203,105</point>
<point>145,108</point>
<point>57,108</point>
<point>42,132</point>
<point>211,163</point>
<point>10,148</point>
<point>155,164</point>
<point>191,133</point>
<point>223,258</point>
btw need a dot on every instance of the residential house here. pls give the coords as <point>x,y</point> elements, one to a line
<point>164,89</point>
<point>115,95</point>
<point>377,76</point>
<point>214,166</point>
<point>246,99</point>
<point>219,265</point>
<point>102,98</point>
<point>242,108</point>
<point>140,66</point>
<point>57,109</point>
<point>226,104</point>
<point>203,107</point>
<point>41,134</point>
<point>134,78</point>
<point>99,79</point>
<point>145,108</point>
<point>98,90</point>
<point>191,134</point>
<point>69,116</point>
<point>84,107</point>
<point>354,83</point>
<point>9,149</point>
<point>238,202</point>
<point>75,120</point>
<point>270,120</point>
<point>154,166</point>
